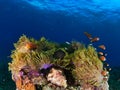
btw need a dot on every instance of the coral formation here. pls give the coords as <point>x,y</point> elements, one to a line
<point>44,65</point>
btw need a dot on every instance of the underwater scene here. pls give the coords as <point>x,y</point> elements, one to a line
<point>60,45</point>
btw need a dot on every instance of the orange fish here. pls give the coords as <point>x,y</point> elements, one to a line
<point>102,47</point>
<point>95,39</point>
<point>30,46</point>
<point>102,58</point>
<point>104,72</point>
<point>100,53</point>
<point>88,35</point>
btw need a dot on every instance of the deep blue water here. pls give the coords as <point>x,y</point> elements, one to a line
<point>60,21</point>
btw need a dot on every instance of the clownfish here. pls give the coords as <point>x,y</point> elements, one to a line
<point>30,46</point>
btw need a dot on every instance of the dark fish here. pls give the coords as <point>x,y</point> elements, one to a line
<point>59,54</point>
<point>70,50</point>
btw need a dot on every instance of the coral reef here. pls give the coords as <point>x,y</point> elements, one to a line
<point>44,65</point>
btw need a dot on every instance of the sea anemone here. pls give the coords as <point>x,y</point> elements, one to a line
<point>88,67</point>
<point>44,65</point>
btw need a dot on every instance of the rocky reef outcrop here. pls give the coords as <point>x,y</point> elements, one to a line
<point>45,65</point>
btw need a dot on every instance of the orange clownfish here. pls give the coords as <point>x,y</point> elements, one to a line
<point>102,47</point>
<point>102,58</point>
<point>30,46</point>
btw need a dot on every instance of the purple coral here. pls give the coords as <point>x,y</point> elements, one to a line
<point>46,66</point>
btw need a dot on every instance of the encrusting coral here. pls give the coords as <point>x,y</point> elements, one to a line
<point>44,65</point>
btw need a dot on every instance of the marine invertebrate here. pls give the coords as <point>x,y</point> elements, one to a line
<point>88,66</point>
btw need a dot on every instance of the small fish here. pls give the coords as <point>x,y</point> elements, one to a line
<point>104,73</point>
<point>66,48</point>
<point>67,42</point>
<point>109,69</point>
<point>95,39</point>
<point>105,78</point>
<point>95,48</point>
<point>102,47</point>
<point>102,58</point>
<point>59,54</point>
<point>88,35</point>
<point>30,46</point>
<point>100,53</point>
<point>107,64</point>
<point>91,44</point>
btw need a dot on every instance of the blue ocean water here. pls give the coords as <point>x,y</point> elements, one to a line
<point>61,21</point>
